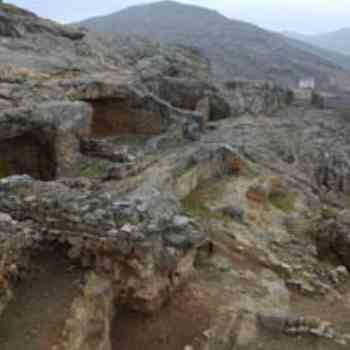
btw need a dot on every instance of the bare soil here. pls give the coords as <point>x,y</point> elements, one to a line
<point>180,323</point>
<point>332,311</point>
<point>273,341</point>
<point>35,318</point>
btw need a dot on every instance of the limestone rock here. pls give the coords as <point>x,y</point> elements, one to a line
<point>90,324</point>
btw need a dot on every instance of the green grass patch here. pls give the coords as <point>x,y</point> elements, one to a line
<point>130,139</point>
<point>196,203</point>
<point>211,190</point>
<point>194,207</point>
<point>92,170</point>
<point>284,201</point>
<point>329,213</point>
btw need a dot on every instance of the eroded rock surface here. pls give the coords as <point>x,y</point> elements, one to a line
<point>164,189</point>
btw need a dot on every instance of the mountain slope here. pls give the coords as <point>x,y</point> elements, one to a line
<point>235,48</point>
<point>299,41</point>
<point>338,41</point>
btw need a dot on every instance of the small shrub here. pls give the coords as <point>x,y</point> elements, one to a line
<point>195,203</point>
<point>232,85</point>
<point>194,207</point>
<point>284,201</point>
<point>290,97</point>
<point>329,213</point>
<point>93,170</point>
<point>317,100</point>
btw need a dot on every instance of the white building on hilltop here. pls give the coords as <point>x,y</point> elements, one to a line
<point>307,83</point>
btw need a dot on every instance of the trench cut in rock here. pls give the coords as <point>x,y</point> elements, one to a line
<point>27,154</point>
<point>116,116</point>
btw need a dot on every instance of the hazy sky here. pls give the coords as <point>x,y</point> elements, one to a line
<point>308,16</point>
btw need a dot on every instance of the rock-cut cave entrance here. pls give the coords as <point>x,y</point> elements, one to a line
<point>28,154</point>
<point>117,116</point>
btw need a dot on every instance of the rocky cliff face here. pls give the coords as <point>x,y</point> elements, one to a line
<point>135,192</point>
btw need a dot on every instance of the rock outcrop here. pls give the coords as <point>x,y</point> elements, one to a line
<point>44,141</point>
<point>162,188</point>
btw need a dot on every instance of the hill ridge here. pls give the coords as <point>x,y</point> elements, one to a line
<point>235,48</point>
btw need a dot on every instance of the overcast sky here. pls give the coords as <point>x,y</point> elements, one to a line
<point>307,16</point>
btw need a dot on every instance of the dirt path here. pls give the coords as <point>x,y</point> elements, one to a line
<point>34,319</point>
<point>272,341</point>
<point>334,311</point>
<point>180,323</point>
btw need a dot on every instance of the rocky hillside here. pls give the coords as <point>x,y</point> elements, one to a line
<point>144,205</point>
<point>236,49</point>
<point>45,47</point>
<point>337,41</point>
<point>339,59</point>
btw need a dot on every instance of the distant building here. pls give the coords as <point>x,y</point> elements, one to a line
<point>307,83</point>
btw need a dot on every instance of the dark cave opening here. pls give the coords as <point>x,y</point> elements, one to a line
<point>28,154</point>
<point>117,116</point>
